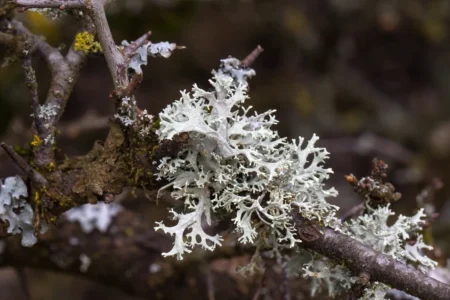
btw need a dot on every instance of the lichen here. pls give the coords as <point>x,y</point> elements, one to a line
<point>140,58</point>
<point>373,230</point>
<point>36,142</point>
<point>15,210</point>
<point>85,42</point>
<point>102,170</point>
<point>236,163</point>
<point>236,166</point>
<point>51,167</point>
<point>93,216</point>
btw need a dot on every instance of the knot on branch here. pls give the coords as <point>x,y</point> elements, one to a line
<point>309,233</point>
<point>307,230</point>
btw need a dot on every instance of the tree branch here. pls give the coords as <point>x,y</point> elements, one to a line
<point>22,164</point>
<point>127,256</point>
<point>130,50</point>
<point>114,59</point>
<point>30,79</point>
<point>250,59</point>
<point>62,4</point>
<point>51,55</point>
<point>122,258</point>
<point>360,258</point>
<point>65,71</point>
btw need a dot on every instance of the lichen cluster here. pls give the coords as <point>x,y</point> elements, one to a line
<point>85,42</point>
<point>237,164</point>
<point>15,211</point>
<point>140,58</point>
<point>93,216</point>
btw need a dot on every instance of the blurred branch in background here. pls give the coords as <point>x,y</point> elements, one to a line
<point>371,77</point>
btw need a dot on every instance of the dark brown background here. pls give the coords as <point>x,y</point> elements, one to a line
<point>369,77</point>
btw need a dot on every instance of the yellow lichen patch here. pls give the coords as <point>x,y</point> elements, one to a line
<point>36,196</point>
<point>85,42</point>
<point>36,141</point>
<point>51,167</point>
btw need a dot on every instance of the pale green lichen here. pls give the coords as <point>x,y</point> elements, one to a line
<point>237,164</point>
<point>93,216</point>
<point>15,210</point>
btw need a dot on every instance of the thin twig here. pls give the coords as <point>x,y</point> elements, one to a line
<point>30,78</point>
<point>114,59</point>
<point>250,59</point>
<point>130,89</point>
<point>130,50</point>
<point>134,84</point>
<point>21,163</point>
<point>61,4</point>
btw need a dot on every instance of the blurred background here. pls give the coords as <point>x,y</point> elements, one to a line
<point>371,78</point>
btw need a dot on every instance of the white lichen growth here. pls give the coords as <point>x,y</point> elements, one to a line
<point>85,263</point>
<point>93,216</point>
<point>323,272</point>
<point>415,253</point>
<point>15,210</point>
<point>163,49</point>
<point>231,67</point>
<point>373,230</point>
<point>129,116</point>
<point>140,58</point>
<point>376,291</point>
<point>126,112</point>
<point>47,111</point>
<point>145,123</point>
<point>49,140</point>
<point>236,164</point>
